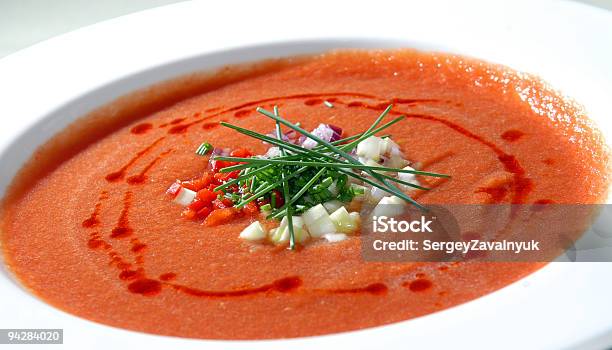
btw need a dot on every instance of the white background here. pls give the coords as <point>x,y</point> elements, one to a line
<point>26,22</point>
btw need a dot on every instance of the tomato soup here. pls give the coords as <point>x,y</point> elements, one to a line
<point>87,227</point>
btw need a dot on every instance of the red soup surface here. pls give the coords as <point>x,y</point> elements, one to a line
<point>86,225</point>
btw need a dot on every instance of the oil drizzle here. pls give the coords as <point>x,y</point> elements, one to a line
<point>123,229</point>
<point>145,286</point>
<point>512,135</point>
<point>142,177</point>
<point>283,285</point>
<point>418,285</point>
<point>374,288</point>
<point>93,220</point>
<point>141,128</point>
<point>119,174</point>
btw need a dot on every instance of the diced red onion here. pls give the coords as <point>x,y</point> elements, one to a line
<point>224,152</point>
<point>220,152</point>
<point>325,132</point>
<point>273,152</point>
<point>336,129</point>
<point>290,136</point>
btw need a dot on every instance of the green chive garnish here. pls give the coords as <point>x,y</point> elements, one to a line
<point>304,177</point>
<point>204,149</point>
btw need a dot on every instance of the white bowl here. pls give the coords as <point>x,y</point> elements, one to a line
<point>47,86</point>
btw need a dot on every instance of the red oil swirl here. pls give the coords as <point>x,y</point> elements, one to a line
<point>119,174</point>
<point>93,219</point>
<point>283,285</point>
<point>243,113</point>
<point>170,276</point>
<point>137,246</point>
<point>418,285</point>
<point>512,135</point>
<point>141,177</point>
<point>123,229</point>
<point>141,128</point>
<point>210,126</point>
<point>183,128</point>
<point>313,101</point>
<point>145,286</point>
<point>127,275</point>
<point>177,121</point>
<point>374,288</point>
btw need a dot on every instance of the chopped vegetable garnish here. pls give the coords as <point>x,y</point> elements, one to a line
<point>306,181</point>
<point>204,149</point>
<point>328,104</point>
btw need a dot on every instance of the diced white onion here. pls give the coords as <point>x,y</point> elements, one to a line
<point>387,146</point>
<point>253,232</point>
<point>370,148</point>
<point>185,197</point>
<point>407,177</point>
<point>395,161</point>
<point>273,152</point>
<point>334,237</point>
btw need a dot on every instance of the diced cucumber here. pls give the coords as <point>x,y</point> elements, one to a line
<point>375,195</point>
<point>313,214</point>
<point>359,190</point>
<point>317,221</point>
<point>391,206</point>
<point>334,237</point>
<point>332,206</point>
<point>253,232</point>
<point>343,221</point>
<point>281,234</point>
<point>185,197</point>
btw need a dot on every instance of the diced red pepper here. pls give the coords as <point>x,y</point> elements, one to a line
<point>218,204</point>
<point>204,212</point>
<point>217,165</point>
<point>198,184</point>
<point>224,177</point>
<point>174,189</point>
<point>206,195</point>
<point>222,203</point>
<point>278,198</point>
<point>212,189</point>
<point>197,205</point>
<point>188,214</point>
<point>251,208</point>
<point>241,153</point>
<point>221,216</point>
